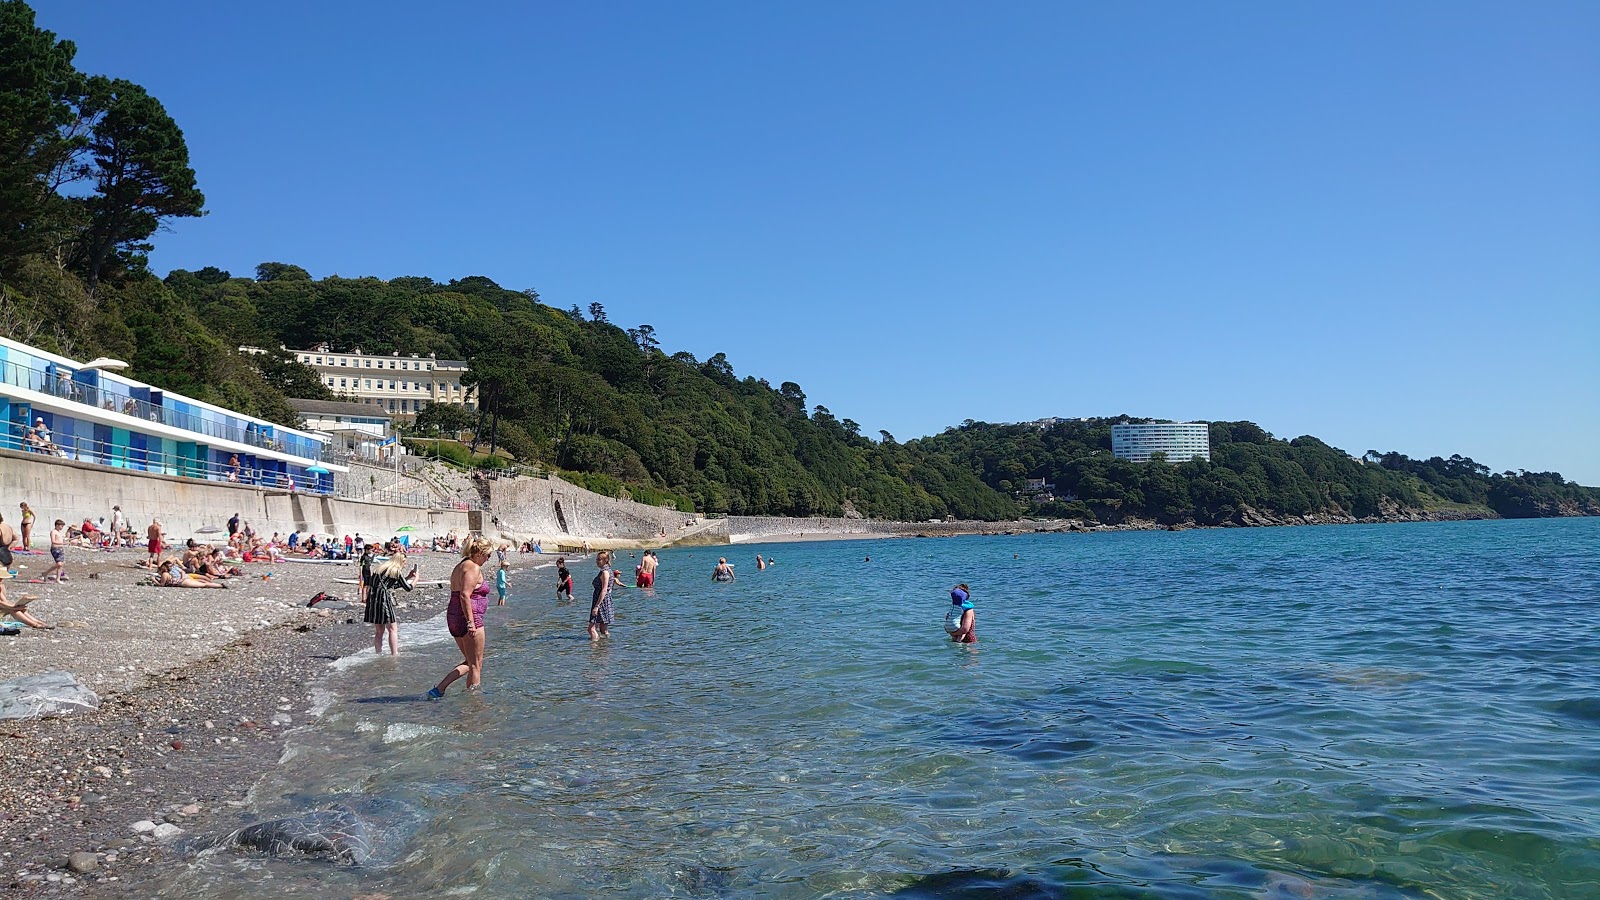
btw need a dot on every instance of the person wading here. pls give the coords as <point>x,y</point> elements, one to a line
<point>469,602</point>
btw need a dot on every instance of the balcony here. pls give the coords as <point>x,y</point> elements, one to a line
<point>116,399</point>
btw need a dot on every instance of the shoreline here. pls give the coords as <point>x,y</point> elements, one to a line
<point>1250,519</point>
<point>180,738</point>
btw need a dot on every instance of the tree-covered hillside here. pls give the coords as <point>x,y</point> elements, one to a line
<point>577,392</point>
<point>1250,472</point>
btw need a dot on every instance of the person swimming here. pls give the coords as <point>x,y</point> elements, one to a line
<point>723,571</point>
<point>961,621</point>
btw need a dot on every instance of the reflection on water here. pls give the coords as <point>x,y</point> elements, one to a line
<point>1372,712</point>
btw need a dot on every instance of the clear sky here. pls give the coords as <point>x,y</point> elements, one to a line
<point>1378,223</point>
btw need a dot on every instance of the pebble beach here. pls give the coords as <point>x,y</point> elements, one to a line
<point>196,687</point>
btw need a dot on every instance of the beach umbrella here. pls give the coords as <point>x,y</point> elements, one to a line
<point>316,470</point>
<point>405,528</point>
<point>207,529</point>
<point>104,362</point>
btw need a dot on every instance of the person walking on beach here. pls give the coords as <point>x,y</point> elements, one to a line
<point>380,584</point>
<point>233,526</point>
<point>27,526</point>
<point>469,602</point>
<point>119,524</point>
<point>600,606</point>
<point>961,622</point>
<point>723,571</point>
<point>58,553</point>
<point>152,539</point>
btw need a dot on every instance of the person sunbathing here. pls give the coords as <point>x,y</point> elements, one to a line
<point>19,610</point>
<point>173,575</point>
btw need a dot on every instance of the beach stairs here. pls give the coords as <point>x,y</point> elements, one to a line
<point>366,481</point>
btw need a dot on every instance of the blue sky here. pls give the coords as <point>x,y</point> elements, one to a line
<point>1376,223</point>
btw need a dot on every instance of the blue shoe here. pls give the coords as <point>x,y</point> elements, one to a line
<point>435,694</point>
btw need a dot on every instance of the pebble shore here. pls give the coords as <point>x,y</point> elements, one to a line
<point>197,690</point>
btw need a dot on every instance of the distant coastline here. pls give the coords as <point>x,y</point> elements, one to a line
<point>775,529</point>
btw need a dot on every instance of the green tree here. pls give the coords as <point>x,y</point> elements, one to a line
<point>288,376</point>
<point>438,419</point>
<point>277,271</point>
<point>38,90</point>
<point>141,174</point>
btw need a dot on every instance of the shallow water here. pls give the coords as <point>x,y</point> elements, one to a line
<point>1353,711</point>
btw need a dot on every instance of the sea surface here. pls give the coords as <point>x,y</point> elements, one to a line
<point>1350,712</point>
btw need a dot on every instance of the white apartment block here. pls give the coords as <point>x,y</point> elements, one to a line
<point>1180,441</point>
<point>400,385</point>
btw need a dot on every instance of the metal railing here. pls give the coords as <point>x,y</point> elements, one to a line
<point>132,459</point>
<point>63,386</point>
<point>122,456</point>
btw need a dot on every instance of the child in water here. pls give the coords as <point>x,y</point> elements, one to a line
<point>961,622</point>
<point>563,581</point>
<point>500,581</point>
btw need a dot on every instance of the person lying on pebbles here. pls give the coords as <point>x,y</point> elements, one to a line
<point>173,575</point>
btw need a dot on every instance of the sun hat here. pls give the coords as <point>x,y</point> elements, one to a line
<point>959,596</point>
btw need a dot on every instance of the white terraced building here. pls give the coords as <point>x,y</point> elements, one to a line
<point>401,385</point>
<point>1180,441</point>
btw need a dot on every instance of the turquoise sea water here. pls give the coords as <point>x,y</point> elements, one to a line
<point>1353,711</point>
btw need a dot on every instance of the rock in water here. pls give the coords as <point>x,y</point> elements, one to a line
<point>359,830</point>
<point>45,694</point>
<point>337,832</point>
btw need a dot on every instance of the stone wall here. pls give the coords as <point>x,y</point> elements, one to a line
<point>553,510</point>
<point>74,491</point>
<point>746,527</point>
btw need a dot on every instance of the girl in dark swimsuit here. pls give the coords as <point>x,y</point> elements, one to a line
<point>563,581</point>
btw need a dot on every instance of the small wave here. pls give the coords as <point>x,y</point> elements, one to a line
<point>1585,708</point>
<point>399,732</point>
<point>412,634</point>
<point>321,700</point>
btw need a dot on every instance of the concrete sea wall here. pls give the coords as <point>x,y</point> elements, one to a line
<point>74,491</point>
<point>522,508</point>
<point>742,528</point>
<point>554,510</point>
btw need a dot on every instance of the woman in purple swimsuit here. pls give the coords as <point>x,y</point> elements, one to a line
<point>469,600</point>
